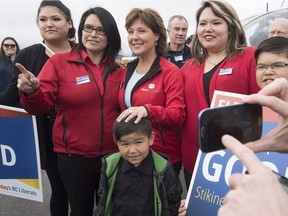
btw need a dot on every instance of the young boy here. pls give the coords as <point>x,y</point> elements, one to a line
<point>271,59</point>
<point>136,180</point>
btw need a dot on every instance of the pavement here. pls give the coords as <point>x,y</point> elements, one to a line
<point>13,206</point>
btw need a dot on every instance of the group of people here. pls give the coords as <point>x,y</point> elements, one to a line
<point>85,102</point>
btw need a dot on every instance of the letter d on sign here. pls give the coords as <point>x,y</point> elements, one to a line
<point>4,150</point>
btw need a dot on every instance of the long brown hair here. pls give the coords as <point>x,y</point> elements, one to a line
<point>236,40</point>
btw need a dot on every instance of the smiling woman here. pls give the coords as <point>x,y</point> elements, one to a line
<point>83,85</point>
<point>9,49</point>
<point>222,61</point>
<point>153,86</point>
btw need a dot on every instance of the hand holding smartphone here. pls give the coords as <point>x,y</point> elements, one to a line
<point>242,121</point>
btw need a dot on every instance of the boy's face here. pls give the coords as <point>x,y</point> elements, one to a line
<point>266,75</point>
<point>135,147</point>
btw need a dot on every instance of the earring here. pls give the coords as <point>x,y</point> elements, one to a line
<point>156,43</point>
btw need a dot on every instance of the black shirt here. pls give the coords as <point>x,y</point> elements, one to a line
<point>207,79</point>
<point>133,191</point>
<point>178,58</point>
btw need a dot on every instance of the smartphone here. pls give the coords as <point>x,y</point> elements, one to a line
<point>242,121</point>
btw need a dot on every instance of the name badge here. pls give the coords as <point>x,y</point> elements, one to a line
<point>178,58</point>
<point>225,71</point>
<point>82,80</point>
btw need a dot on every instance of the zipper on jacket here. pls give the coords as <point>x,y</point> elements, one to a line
<point>102,123</point>
<point>101,104</point>
<point>161,134</point>
<point>65,129</point>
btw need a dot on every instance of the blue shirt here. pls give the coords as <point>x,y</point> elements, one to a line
<point>6,66</point>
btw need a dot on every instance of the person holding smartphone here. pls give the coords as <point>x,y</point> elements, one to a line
<point>272,67</point>
<point>268,197</point>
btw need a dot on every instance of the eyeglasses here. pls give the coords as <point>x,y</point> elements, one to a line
<point>9,45</point>
<point>90,29</point>
<point>274,66</point>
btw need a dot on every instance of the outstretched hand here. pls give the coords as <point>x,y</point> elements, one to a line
<point>256,193</point>
<point>27,81</point>
<point>274,96</point>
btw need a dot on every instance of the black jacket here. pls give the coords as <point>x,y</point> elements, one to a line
<point>33,59</point>
<point>184,55</point>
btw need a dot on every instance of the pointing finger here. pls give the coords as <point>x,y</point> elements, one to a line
<point>21,68</point>
<point>247,157</point>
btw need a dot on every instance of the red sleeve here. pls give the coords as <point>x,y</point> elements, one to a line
<point>42,100</point>
<point>173,113</point>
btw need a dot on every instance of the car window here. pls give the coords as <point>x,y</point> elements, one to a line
<point>256,27</point>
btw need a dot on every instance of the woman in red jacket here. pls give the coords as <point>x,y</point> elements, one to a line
<point>153,86</point>
<point>221,61</point>
<point>83,84</point>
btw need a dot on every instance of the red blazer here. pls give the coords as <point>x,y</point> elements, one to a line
<point>242,80</point>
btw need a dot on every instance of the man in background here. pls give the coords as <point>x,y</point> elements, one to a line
<point>278,27</point>
<point>178,52</point>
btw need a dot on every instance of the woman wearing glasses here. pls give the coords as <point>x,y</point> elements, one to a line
<point>8,51</point>
<point>83,85</point>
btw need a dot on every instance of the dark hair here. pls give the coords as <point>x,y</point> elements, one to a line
<point>110,27</point>
<point>236,40</point>
<point>2,53</point>
<point>154,21</point>
<point>123,128</point>
<point>63,10</point>
<point>275,45</point>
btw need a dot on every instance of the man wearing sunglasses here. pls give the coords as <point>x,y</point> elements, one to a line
<point>8,51</point>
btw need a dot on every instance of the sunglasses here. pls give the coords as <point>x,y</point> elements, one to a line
<point>9,45</point>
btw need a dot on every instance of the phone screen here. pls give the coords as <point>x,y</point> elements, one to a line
<point>242,121</point>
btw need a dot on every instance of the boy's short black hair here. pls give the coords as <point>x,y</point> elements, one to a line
<point>123,128</point>
<point>275,45</point>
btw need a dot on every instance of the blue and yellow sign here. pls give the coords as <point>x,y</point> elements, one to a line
<point>19,155</point>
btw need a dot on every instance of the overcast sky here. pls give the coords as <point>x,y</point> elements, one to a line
<point>18,17</point>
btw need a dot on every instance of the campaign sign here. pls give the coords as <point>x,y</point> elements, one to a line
<point>209,183</point>
<point>19,155</point>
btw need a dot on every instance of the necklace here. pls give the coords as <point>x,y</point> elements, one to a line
<point>220,59</point>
